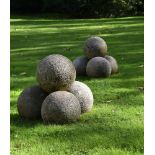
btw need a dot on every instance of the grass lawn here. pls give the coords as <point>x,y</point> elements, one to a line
<point>115,125</point>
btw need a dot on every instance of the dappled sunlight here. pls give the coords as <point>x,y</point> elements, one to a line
<point>52,28</point>
<point>37,50</point>
<point>116,120</point>
<point>28,21</point>
<point>110,128</point>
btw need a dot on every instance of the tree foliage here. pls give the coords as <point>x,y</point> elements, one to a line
<point>80,8</point>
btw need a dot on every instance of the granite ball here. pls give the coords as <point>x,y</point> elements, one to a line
<point>30,101</point>
<point>83,94</point>
<point>80,64</point>
<point>113,63</point>
<point>95,46</point>
<point>98,67</point>
<point>60,107</point>
<point>55,72</point>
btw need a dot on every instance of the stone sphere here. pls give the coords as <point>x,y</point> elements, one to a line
<point>83,94</point>
<point>30,101</point>
<point>80,64</point>
<point>98,67</point>
<point>55,72</point>
<point>60,107</point>
<point>95,46</point>
<point>113,63</point>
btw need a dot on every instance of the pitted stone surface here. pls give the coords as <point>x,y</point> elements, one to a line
<point>80,64</point>
<point>95,46</point>
<point>83,94</point>
<point>55,72</point>
<point>30,101</point>
<point>98,67</point>
<point>113,63</point>
<point>60,107</point>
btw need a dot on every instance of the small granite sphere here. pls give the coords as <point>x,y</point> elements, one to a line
<point>30,101</point>
<point>60,107</point>
<point>95,46</point>
<point>83,94</point>
<point>113,63</point>
<point>55,72</point>
<point>80,64</point>
<point>98,67</point>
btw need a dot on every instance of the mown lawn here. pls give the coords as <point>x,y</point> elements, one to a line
<point>115,125</point>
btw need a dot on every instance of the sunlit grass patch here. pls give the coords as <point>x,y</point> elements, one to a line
<point>115,124</point>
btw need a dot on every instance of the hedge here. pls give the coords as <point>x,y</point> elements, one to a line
<point>80,8</point>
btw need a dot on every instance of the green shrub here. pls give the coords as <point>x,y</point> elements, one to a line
<point>81,8</point>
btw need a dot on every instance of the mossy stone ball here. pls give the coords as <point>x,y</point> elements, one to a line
<point>83,94</point>
<point>113,63</point>
<point>95,46</point>
<point>60,107</point>
<point>80,64</point>
<point>98,67</point>
<point>55,72</point>
<point>30,101</point>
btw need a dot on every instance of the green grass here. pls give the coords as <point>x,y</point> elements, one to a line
<point>115,125</point>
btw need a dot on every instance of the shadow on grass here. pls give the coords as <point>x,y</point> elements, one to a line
<point>21,20</point>
<point>18,121</point>
<point>125,42</point>
<point>102,136</point>
<point>33,38</point>
<point>106,132</point>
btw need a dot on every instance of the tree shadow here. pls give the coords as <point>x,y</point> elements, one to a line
<point>105,131</point>
<point>30,43</point>
<point>18,121</point>
<point>107,136</point>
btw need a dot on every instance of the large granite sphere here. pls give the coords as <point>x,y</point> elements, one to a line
<point>30,101</point>
<point>95,46</point>
<point>83,94</point>
<point>55,72</point>
<point>98,67</point>
<point>80,64</point>
<point>113,63</point>
<point>60,107</point>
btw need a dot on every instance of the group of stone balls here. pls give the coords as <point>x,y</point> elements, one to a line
<point>96,62</point>
<point>58,98</point>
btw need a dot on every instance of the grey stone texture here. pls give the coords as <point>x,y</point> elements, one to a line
<point>55,72</point>
<point>30,101</point>
<point>80,64</point>
<point>83,94</point>
<point>98,67</point>
<point>60,107</point>
<point>113,63</point>
<point>95,46</point>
